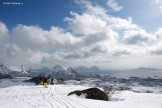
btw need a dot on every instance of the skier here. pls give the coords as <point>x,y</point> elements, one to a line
<point>45,81</point>
<point>41,79</point>
<point>52,81</point>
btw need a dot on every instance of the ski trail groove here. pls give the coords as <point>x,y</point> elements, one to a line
<point>37,97</point>
<point>74,102</point>
<point>67,100</point>
<point>46,100</point>
<point>59,99</point>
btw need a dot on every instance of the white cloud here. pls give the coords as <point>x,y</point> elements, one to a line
<point>86,24</point>
<point>114,5</point>
<point>161,9</point>
<point>30,45</point>
<point>105,36</point>
<point>36,38</point>
<point>91,9</point>
<point>60,38</point>
<point>158,1</point>
<point>122,24</point>
<point>90,36</point>
<point>157,48</point>
<point>3,34</point>
<point>30,37</point>
<point>13,55</point>
<point>158,34</point>
<point>139,38</point>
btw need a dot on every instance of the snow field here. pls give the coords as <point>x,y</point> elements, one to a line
<point>55,96</point>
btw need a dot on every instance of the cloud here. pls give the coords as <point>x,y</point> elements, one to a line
<point>156,49</point>
<point>31,45</point>
<point>92,31</point>
<point>59,38</point>
<point>92,9</point>
<point>91,25</point>
<point>99,49</point>
<point>157,52</point>
<point>140,38</point>
<point>159,3</point>
<point>158,34</point>
<point>121,53</point>
<point>30,37</point>
<point>34,37</point>
<point>13,55</point>
<point>74,55</point>
<point>91,36</point>
<point>122,24</point>
<point>161,9</point>
<point>3,34</point>
<point>114,5</point>
<point>99,37</point>
<point>99,62</point>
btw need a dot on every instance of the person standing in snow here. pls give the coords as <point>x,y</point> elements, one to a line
<point>41,79</point>
<point>44,81</point>
<point>52,81</point>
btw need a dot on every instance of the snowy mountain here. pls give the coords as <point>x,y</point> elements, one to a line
<point>71,70</point>
<point>42,70</point>
<point>144,68</point>
<point>4,70</point>
<point>64,74</point>
<point>58,68</point>
<point>57,72</point>
<point>83,69</point>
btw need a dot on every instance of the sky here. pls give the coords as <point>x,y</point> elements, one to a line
<point>111,34</point>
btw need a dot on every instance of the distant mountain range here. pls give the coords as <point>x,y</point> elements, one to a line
<point>57,72</point>
<point>83,69</point>
<point>145,68</point>
<point>4,70</point>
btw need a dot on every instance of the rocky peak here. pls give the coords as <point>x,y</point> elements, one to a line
<point>71,70</point>
<point>58,68</point>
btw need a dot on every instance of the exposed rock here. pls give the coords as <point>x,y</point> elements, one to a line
<point>4,76</point>
<point>91,93</point>
<point>34,79</point>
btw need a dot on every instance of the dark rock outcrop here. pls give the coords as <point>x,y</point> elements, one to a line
<point>4,76</point>
<point>34,79</point>
<point>92,93</point>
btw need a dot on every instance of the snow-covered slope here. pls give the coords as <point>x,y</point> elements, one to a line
<point>55,96</point>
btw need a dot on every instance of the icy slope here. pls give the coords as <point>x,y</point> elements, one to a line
<point>56,97</point>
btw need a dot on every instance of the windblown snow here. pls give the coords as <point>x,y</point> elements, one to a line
<point>55,96</point>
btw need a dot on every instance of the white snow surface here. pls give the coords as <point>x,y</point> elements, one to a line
<point>55,96</point>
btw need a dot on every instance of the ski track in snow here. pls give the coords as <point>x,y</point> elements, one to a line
<point>55,96</point>
<point>36,97</point>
